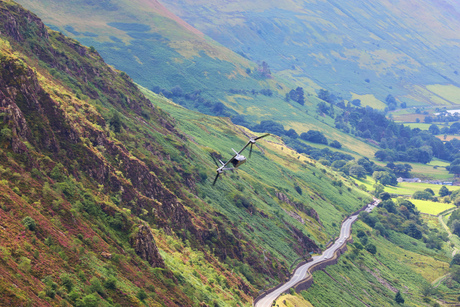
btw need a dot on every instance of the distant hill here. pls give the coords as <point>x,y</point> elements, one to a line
<point>351,47</point>
<point>163,53</point>
<point>151,44</point>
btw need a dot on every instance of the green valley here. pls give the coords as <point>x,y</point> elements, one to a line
<point>112,111</point>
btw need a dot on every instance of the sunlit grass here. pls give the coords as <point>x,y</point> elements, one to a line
<point>448,92</point>
<point>288,300</point>
<point>434,170</point>
<point>448,137</point>
<point>431,207</point>
<point>418,125</point>
<point>369,100</point>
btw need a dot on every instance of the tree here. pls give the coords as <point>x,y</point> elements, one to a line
<point>29,223</point>
<point>361,234</point>
<point>357,171</point>
<point>390,99</point>
<point>455,227</point>
<point>269,126</point>
<point>338,164</point>
<point>322,108</point>
<point>385,196</point>
<point>5,133</point>
<point>371,248</point>
<point>444,191</point>
<point>264,70</point>
<point>434,129</point>
<point>324,95</point>
<point>398,298</point>
<point>335,144</point>
<point>385,178</point>
<point>422,195</point>
<point>413,231</point>
<point>300,95</point>
<point>292,133</point>
<point>455,260</point>
<point>115,123</point>
<point>177,91</point>
<point>356,102</point>
<point>314,137</point>
<point>378,188</point>
<point>141,295</point>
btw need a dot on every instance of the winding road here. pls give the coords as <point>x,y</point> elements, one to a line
<point>301,272</point>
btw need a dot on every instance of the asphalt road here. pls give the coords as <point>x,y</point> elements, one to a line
<point>301,273</point>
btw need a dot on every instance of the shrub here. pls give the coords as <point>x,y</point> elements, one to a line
<point>141,295</point>
<point>29,223</point>
<point>455,260</point>
<point>96,286</point>
<point>398,298</point>
<point>110,283</point>
<point>90,300</point>
<point>371,248</point>
<point>67,281</point>
<point>6,134</point>
<point>24,264</point>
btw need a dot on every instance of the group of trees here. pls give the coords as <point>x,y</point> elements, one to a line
<point>392,104</point>
<point>454,222</point>
<point>178,95</point>
<point>362,168</point>
<point>397,142</point>
<point>297,95</point>
<point>266,92</point>
<point>402,217</point>
<point>442,116</point>
<point>314,136</point>
<point>428,194</point>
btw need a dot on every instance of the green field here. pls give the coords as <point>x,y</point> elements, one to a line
<point>421,126</point>
<point>433,170</point>
<point>430,207</point>
<point>405,188</point>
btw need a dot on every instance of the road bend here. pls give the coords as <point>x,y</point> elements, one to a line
<point>302,271</point>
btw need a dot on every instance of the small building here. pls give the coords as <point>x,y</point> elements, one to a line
<point>400,179</point>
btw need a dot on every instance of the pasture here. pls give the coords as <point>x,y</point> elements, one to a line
<point>430,207</point>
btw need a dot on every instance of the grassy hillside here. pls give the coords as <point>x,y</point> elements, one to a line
<point>407,49</point>
<point>362,278</point>
<point>160,51</point>
<point>106,199</point>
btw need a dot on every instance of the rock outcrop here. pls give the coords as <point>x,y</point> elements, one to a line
<point>299,206</point>
<point>145,246</point>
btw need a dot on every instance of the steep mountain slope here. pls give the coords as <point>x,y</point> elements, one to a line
<point>106,199</point>
<point>168,56</point>
<point>93,174</point>
<point>143,38</point>
<point>371,47</point>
